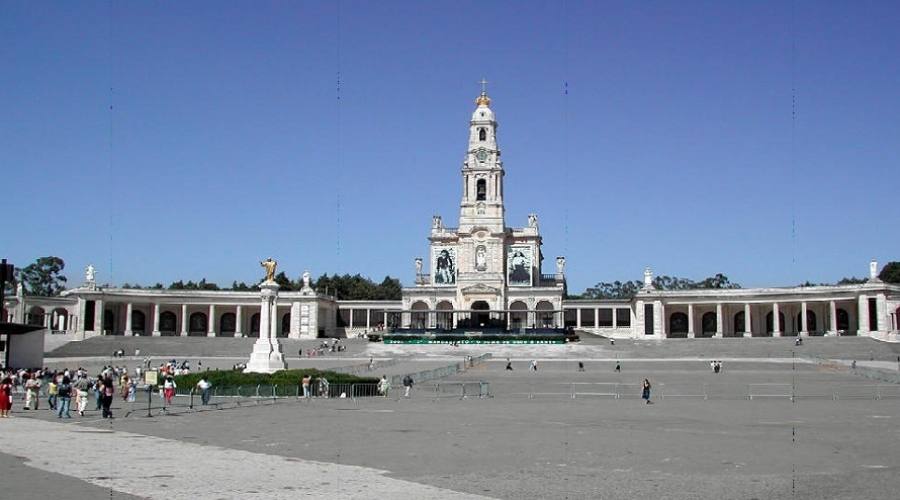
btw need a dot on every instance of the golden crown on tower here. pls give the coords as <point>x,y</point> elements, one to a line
<point>483,100</point>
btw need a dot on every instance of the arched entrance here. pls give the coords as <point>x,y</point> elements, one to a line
<point>545,314</point>
<point>227,325</point>
<point>109,322</point>
<point>678,325</point>
<point>739,323</point>
<point>843,320</point>
<point>35,316</point>
<point>708,324</point>
<point>60,319</point>
<point>285,325</point>
<point>167,322</point>
<point>481,318</point>
<point>444,315</point>
<point>518,316</point>
<point>138,322</point>
<point>419,316</point>
<point>197,324</point>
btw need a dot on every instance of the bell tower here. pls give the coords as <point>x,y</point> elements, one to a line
<point>482,172</point>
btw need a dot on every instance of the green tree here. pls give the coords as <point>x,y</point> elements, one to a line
<point>43,277</point>
<point>890,273</point>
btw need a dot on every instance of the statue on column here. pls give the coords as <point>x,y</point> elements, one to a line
<point>306,277</point>
<point>560,265</point>
<point>89,273</point>
<point>418,266</point>
<point>648,279</point>
<point>533,220</point>
<point>270,264</point>
<point>436,222</point>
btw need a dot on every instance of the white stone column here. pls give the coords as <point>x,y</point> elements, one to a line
<point>662,321</point>
<point>720,331</point>
<point>832,317</point>
<point>350,320</point>
<point>98,317</point>
<point>690,325</point>
<point>128,325</point>
<point>804,327</point>
<point>82,307</point>
<point>238,331</point>
<point>615,315</point>
<point>748,321</point>
<point>275,320</point>
<point>863,314</point>
<point>776,325</point>
<point>881,312</point>
<point>184,320</point>
<point>657,319</point>
<point>368,319</point>
<point>386,314</point>
<point>639,327</point>
<point>577,317</point>
<point>211,321</point>
<point>266,356</point>
<point>296,321</point>
<point>265,312</point>
<point>156,332</point>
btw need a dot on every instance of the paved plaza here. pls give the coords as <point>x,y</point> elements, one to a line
<point>531,439</point>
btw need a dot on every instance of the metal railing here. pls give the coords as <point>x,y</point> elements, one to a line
<point>462,390</point>
<point>750,392</point>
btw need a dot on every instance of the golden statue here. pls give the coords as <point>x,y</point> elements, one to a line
<point>270,264</point>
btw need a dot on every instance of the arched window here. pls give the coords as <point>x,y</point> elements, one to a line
<point>480,190</point>
<point>482,134</point>
<point>419,316</point>
<point>678,323</point>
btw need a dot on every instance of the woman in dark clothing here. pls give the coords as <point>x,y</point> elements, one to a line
<point>645,392</point>
<point>108,390</point>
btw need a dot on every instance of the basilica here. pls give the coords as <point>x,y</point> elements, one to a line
<point>479,275</point>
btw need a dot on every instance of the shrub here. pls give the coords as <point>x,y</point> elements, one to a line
<point>283,378</point>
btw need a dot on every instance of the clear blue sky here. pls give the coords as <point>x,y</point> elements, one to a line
<point>226,142</point>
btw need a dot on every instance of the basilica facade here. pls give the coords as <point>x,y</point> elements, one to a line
<point>481,274</point>
<point>484,274</point>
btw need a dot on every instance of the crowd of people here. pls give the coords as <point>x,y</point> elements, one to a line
<point>325,347</point>
<point>61,387</point>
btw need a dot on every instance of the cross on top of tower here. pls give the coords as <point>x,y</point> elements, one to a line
<point>483,99</point>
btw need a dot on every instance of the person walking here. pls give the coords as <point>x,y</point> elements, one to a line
<point>407,385</point>
<point>508,365</point>
<point>32,388</point>
<point>618,367</point>
<point>169,387</point>
<point>645,392</point>
<point>581,366</point>
<point>323,387</point>
<point>6,389</point>
<point>384,386</point>
<point>534,365</point>
<point>108,391</point>
<point>204,387</point>
<point>82,386</point>
<point>64,397</point>
<point>304,382</point>
<point>52,393</point>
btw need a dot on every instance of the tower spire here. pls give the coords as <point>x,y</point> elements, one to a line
<point>483,99</point>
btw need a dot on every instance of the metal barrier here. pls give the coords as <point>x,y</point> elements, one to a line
<point>462,390</point>
<point>770,391</point>
<point>442,372</point>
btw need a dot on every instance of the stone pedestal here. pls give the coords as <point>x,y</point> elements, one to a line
<point>266,356</point>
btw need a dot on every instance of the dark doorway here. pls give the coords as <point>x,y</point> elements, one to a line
<point>480,315</point>
<point>678,324</point>
<point>138,322</point>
